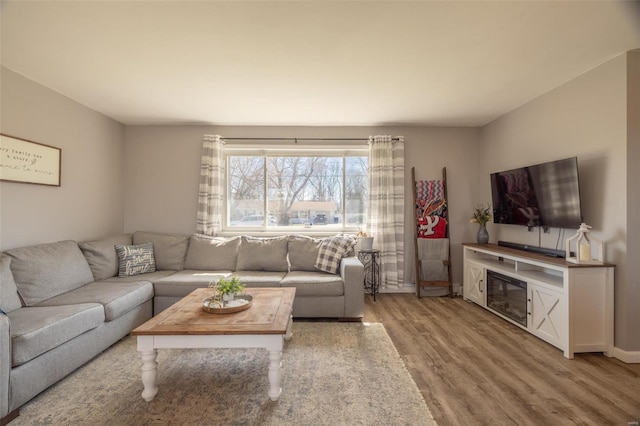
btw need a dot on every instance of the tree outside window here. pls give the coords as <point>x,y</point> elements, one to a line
<point>296,191</point>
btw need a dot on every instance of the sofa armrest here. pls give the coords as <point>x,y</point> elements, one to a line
<point>5,363</point>
<point>352,273</point>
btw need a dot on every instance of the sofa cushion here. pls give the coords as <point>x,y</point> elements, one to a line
<point>262,254</point>
<point>36,330</point>
<point>184,282</point>
<point>118,298</point>
<point>135,259</point>
<point>47,270</point>
<point>310,284</point>
<point>9,299</point>
<point>212,253</point>
<point>150,276</point>
<point>102,257</point>
<point>303,252</point>
<point>260,278</point>
<point>331,252</point>
<point>169,249</point>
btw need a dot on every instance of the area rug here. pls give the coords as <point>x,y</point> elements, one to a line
<point>333,374</point>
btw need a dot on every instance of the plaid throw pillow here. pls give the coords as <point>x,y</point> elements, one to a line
<point>331,252</point>
<point>134,260</point>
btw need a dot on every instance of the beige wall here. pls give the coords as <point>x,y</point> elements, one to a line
<point>430,149</point>
<point>632,288</point>
<point>89,204</point>
<point>162,171</point>
<point>587,118</point>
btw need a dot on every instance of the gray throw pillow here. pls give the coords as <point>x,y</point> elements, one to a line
<point>9,299</point>
<point>102,257</point>
<point>331,252</point>
<point>135,259</point>
<point>212,253</point>
<point>303,252</point>
<point>169,249</point>
<point>263,254</point>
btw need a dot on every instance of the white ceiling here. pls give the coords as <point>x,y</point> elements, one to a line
<point>311,62</point>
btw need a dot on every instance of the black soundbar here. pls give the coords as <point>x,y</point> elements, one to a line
<point>533,249</point>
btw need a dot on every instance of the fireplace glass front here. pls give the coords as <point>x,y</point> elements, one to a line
<point>507,296</point>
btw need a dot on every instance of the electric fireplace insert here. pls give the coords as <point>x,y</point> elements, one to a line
<point>507,296</point>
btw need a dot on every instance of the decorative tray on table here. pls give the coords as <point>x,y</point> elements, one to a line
<point>215,305</point>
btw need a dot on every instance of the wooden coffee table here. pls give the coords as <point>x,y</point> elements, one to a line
<point>186,325</point>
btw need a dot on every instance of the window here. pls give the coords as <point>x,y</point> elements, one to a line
<point>296,190</point>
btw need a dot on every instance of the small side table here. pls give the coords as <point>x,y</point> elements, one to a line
<point>370,259</point>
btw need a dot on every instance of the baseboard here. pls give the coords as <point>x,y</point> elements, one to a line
<point>629,357</point>
<point>9,417</point>
<point>405,289</point>
<point>411,288</point>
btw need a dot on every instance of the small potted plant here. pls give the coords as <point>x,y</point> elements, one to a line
<point>228,288</point>
<point>366,242</point>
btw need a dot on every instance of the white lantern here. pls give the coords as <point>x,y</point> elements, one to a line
<point>584,248</point>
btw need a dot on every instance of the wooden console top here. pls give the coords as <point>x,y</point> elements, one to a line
<point>496,249</point>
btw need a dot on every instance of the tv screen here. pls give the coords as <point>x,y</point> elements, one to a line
<point>546,195</point>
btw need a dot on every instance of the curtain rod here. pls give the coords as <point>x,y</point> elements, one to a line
<point>299,139</point>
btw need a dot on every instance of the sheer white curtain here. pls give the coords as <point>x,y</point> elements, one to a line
<point>386,206</point>
<point>211,190</point>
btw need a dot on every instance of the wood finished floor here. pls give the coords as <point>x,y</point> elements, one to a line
<point>474,368</point>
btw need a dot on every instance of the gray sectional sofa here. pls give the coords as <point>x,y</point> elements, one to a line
<point>63,303</point>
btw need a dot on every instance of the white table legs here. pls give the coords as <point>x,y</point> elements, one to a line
<point>275,364</point>
<point>148,345</point>
<point>275,374</point>
<point>289,333</point>
<point>149,374</point>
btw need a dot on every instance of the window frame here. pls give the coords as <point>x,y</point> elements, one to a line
<point>302,150</point>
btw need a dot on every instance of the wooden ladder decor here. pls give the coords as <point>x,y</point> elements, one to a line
<point>431,222</point>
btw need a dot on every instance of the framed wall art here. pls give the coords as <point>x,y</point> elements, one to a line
<point>29,162</point>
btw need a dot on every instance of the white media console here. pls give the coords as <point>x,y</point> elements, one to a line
<point>567,305</point>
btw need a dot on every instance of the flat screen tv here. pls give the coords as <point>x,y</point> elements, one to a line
<point>546,195</point>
